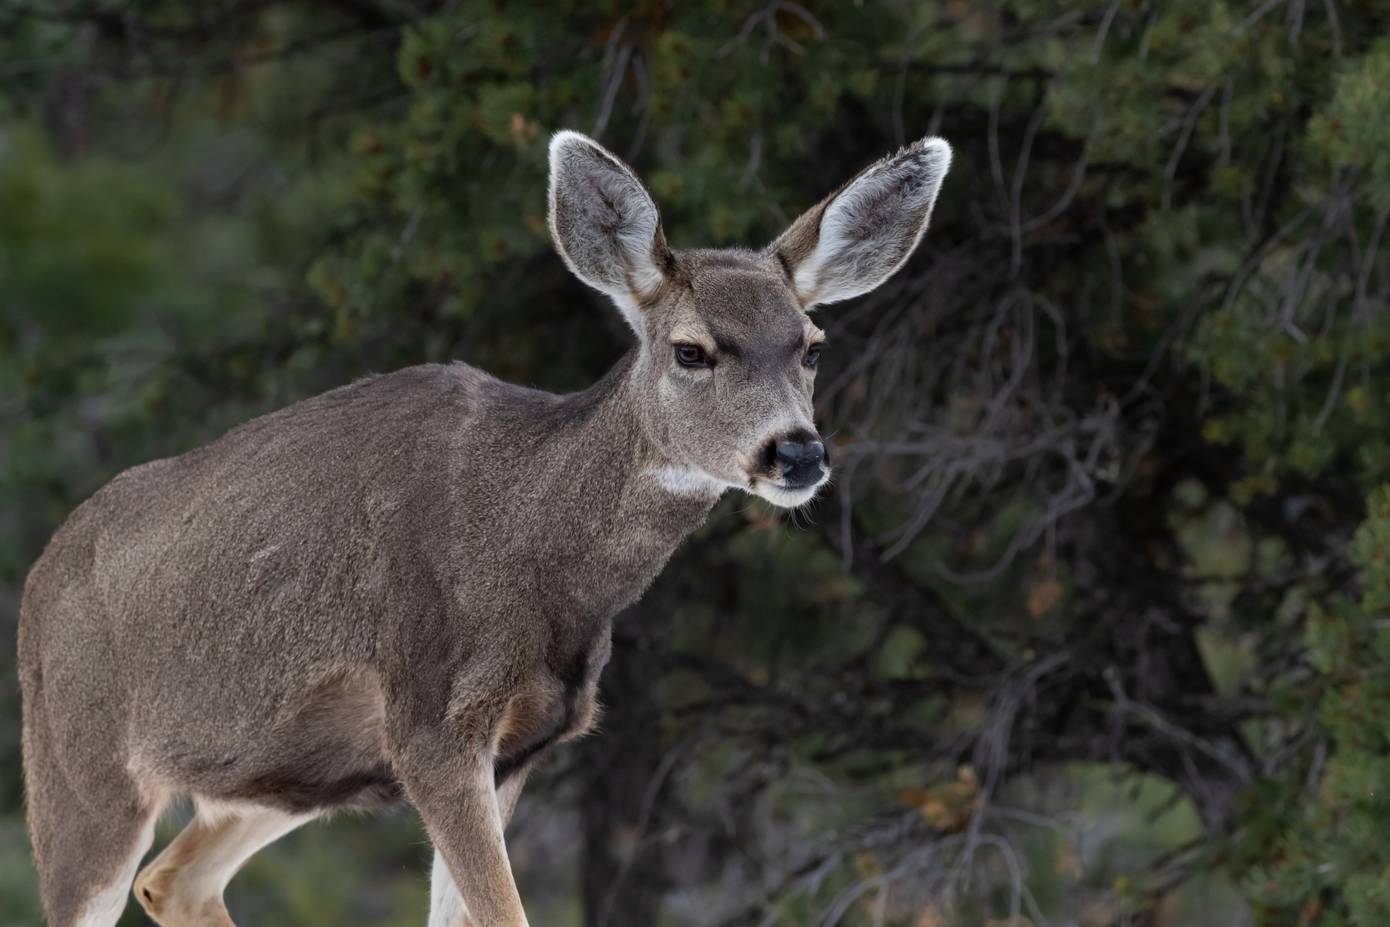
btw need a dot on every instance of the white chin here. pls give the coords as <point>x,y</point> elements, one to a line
<point>785,497</point>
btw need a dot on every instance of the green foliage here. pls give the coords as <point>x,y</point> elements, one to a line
<point>1329,864</point>
<point>1351,129</point>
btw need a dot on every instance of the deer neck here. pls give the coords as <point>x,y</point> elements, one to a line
<point>618,507</point>
<point>609,422</point>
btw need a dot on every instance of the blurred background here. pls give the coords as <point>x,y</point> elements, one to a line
<point>1091,629</point>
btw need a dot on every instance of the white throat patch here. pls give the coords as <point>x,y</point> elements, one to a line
<point>686,481</point>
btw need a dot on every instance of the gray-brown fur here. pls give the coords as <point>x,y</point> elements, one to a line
<point>403,587</point>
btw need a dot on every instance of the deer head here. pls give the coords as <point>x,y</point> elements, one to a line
<point>728,350</point>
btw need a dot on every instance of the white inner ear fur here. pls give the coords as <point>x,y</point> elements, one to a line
<point>870,229</point>
<point>603,222</point>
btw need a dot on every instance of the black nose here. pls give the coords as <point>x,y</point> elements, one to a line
<point>799,459</point>
<point>791,454</point>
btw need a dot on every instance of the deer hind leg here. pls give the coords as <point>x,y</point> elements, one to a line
<point>183,886</point>
<point>88,859</point>
<point>90,820</point>
<point>104,907</point>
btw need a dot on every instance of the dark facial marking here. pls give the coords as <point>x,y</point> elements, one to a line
<point>726,345</point>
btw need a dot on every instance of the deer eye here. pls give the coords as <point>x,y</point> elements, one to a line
<point>692,355</point>
<point>812,356</point>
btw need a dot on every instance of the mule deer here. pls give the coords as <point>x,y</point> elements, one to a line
<point>404,588</point>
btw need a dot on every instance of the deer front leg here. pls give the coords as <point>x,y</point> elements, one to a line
<point>452,786</point>
<point>446,905</point>
<point>509,793</point>
<point>447,908</point>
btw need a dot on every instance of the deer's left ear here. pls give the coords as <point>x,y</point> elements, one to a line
<point>859,236</point>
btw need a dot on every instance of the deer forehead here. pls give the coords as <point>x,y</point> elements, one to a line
<point>740,307</point>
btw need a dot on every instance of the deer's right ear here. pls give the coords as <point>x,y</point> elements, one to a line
<point>604,223</point>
